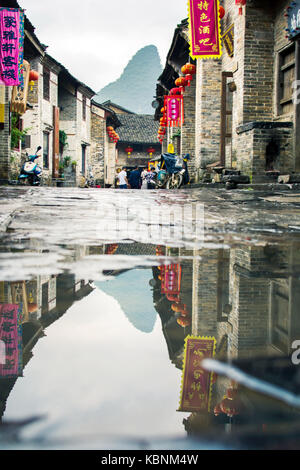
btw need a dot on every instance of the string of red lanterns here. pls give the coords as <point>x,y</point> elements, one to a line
<point>188,71</point>
<point>129,151</point>
<point>113,136</point>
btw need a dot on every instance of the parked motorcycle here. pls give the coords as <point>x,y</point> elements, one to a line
<point>30,171</point>
<point>172,172</point>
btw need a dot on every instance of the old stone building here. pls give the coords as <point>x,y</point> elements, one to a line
<point>138,132</point>
<point>259,75</point>
<point>40,119</point>
<point>58,105</point>
<point>103,155</point>
<point>240,112</point>
<point>74,102</point>
<point>10,158</point>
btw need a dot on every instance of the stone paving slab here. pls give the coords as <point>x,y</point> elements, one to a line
<point>11,199</point>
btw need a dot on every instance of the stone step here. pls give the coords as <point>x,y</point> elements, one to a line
<point>238,179</point>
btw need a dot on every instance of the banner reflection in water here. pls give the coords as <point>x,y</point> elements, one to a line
<point>10,341</point>
<point>196,382</point>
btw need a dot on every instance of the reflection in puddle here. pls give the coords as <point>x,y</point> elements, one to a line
<point>104,356</point>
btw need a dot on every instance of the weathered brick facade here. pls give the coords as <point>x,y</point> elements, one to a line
<point>208,111</point>
<point>242,90</point>
<point>5,151</point>
<point>98,130</point>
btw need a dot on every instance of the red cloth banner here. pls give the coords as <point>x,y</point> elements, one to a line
<point>174,106</point>
<point>196,382</point>
<point>205,29</point>
<point>10,341</point>
<point>11,46</point>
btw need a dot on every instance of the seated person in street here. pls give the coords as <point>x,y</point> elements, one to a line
<point>122,177</point>
<point>135,179</point>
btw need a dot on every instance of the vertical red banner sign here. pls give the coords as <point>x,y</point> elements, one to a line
<point>196,382</point>
<point>10,341</point>
<point>11,46</point>
<point>174,110</point>
<point>205,29</point>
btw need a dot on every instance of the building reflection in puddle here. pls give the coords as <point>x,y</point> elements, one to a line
<point>245,297</point>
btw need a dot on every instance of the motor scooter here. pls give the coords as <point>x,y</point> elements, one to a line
<point>31,172</point>
<point>172,172</point>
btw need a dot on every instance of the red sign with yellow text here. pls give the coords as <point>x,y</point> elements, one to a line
<point>205,29</point>
<point>196,382</point>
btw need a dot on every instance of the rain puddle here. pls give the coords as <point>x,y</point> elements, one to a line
<point>96,325</point>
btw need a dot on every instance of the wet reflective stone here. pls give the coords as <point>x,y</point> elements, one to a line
<point>99,291</point>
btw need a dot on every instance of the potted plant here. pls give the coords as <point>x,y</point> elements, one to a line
<point>74,164</point>
<point>67,161</point>
<point>61,170</point>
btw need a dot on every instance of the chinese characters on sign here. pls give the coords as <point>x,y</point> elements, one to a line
<point>228,40</point>
<point>19,94</point>
<point>294,20</point>
<point>204,24</point>
<point>11,46</point>
<point>196,382</point>
<point>174,107</point>
<point>10,341</point>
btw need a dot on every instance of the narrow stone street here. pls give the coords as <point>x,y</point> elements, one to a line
<point>149,228</point>
<point>90,269</point>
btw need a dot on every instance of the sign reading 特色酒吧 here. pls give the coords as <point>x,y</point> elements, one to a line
<point>293,14</point>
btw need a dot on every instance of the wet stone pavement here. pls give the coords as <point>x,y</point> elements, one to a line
<point>102,290</point>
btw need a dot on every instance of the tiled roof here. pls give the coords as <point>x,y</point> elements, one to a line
<point>109,103</point>
<point>138,128</point>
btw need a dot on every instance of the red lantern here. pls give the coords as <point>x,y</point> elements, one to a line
<point>181,81</point>
<point>189,78</point>
<point>184,311</point>
<point>129,150</point>
<point>183,321</point>
<point>33,76</point>
<point>150,150</point>
<point>188,69</point>
<point>176,91</point>
<point>221,12</point>
<point>240,3</point>
<point>160,251</point>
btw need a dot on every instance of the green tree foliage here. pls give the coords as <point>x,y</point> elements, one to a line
<point>16,134</point>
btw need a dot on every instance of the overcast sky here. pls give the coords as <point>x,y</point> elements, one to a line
<point>95,39</point>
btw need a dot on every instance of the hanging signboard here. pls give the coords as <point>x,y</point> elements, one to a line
<point>10,341</point>
<point>2,106</point>
<point>20,93</point>
<point>11,46</point>
<point>174,113</point>
<point>293,15</point>
<point>228,40</point>
<point>196,382</point>
<point>204,29</point>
